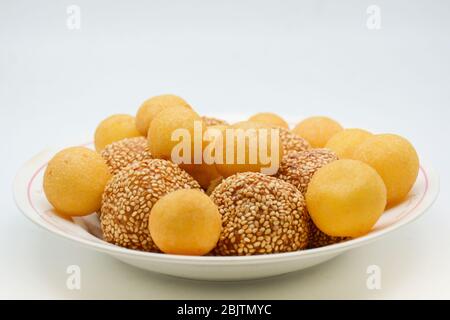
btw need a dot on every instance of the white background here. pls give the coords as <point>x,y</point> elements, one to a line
<point>297,58</point>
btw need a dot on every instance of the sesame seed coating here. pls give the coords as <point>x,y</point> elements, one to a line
<point>292,142</point>
<point>120,154</point>
<point>209,121</point>
<point>129,197</point>
<point>214,183</point>
<point>298,168</point>
<point>260,214</point>
<point>319,239</point>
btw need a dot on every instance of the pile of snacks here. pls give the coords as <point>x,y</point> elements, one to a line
<point>274,190</point>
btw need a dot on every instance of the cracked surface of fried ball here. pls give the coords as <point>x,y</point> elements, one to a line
<point>185,222</point>
<point>151,107</point>
<point>260,214</point>
<point>74,181</point>
<point>129,197</point>
<point>114,128</point>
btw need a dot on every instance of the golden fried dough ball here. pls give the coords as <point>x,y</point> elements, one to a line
<point>317,130</point>
<point>131,194</point>
<point>74,181</point>
<point>185,222</point>
<point>395,160</point>
<point>346,141</point>
<point>165,124</point>
<point>270,119</point>
<point>114,128</point>
<point>151,107</point>
<point>345,198</point>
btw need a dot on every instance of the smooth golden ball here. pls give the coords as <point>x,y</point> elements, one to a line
<point>165,124</point>
<point>74,181</point>
<point>185,222</point>
<point>115,128</point>
<point>270,119</point>
<point>395,160</point>
<point>346,141</point>
<point>317,130</point>
<point>151,107</point>
<point>345,198</point>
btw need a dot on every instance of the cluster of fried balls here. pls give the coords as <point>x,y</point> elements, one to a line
<point>332,184</point>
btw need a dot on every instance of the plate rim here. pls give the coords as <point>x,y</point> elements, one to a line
<point>33,166</point>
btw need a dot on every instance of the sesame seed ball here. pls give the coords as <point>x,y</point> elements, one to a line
<point>120,154</point>
<point>319,239</point>
<point>292,142</point>
<point>130,195</point>
<point>298,168</point>
<point>260,214</point>
<point>289,140</point>
<point>210,121</point>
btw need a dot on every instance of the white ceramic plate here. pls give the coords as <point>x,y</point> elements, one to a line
<point>86,231</point>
